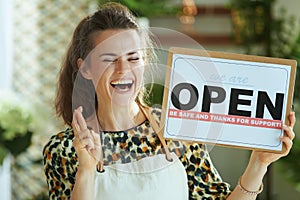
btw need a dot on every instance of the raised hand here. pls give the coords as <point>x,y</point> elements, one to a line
<point>266,158</point>
<point>86,142</point>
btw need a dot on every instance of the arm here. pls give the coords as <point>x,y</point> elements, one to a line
<point>252,178</point>
<point>87,146</point>
<point>203,178</point>
<point>84,185</point>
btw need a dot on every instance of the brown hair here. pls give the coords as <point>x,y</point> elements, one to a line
<point>109,16</point>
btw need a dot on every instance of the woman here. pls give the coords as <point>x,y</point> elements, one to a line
<point>108,50</point>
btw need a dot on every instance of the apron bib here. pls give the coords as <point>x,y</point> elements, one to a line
<point>151,178</point>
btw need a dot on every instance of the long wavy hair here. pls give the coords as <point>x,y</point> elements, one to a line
<point>108,16</point>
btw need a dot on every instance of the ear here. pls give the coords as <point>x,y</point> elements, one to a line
<point>83,69</point>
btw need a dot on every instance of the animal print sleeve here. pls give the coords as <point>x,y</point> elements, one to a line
<point>60,164</point>
<point>203,179</point>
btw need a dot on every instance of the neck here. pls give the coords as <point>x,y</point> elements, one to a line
<point>118,118</point>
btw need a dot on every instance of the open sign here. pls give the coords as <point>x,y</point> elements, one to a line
<point>227,99</point>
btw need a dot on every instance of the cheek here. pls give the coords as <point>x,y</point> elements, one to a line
<point>102,87</point>
<point>139,73</point>
<point>99,73</point>
<point>100,80</point>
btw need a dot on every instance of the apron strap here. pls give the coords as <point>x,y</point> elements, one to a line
<point>154,125</point>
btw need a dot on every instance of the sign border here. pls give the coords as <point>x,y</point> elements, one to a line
<point>230,56</point>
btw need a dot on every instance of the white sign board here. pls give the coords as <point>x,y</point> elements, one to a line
<point>227,99</point>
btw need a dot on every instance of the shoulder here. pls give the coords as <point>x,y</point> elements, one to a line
<point>63,139</point>
<point>60,164</point>
<point>60,148</point>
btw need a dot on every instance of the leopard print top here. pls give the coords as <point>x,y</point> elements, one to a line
<point>60,160</point>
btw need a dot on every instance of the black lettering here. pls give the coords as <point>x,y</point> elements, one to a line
<point>264,100</point>
<point>194,95</point>
<point>208,99</point>
<point>235,101</point>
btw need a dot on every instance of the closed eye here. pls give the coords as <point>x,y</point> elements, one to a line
<point>134,59</point>
<point>110,60</point>
<point>108,57</point>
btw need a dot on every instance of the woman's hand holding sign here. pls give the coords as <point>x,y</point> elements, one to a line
<point>266,158</point>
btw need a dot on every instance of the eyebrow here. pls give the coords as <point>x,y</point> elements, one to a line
<point>107,54</point>
<point>131,53</point>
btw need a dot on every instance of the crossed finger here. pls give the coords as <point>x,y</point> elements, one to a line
<point>81,131</point>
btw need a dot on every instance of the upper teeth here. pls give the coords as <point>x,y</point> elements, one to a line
<point>122,82</point>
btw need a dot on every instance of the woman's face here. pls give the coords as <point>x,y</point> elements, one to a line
<point>116,66</point>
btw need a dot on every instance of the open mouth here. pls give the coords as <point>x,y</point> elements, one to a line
<point>122,85</point>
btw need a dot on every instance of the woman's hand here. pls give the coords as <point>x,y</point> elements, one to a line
<point>87,146</point>
<point>260,160</point>
<point>86,142</point>
<point>266,158</point>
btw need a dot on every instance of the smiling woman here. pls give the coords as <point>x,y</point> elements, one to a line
<point>102,80</point>
<point>113,148</point>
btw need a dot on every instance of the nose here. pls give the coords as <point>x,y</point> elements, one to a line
<point>122,66</point>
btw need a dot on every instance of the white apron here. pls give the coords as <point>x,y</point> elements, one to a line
<point>143,180</point>
<point>150,178</point>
